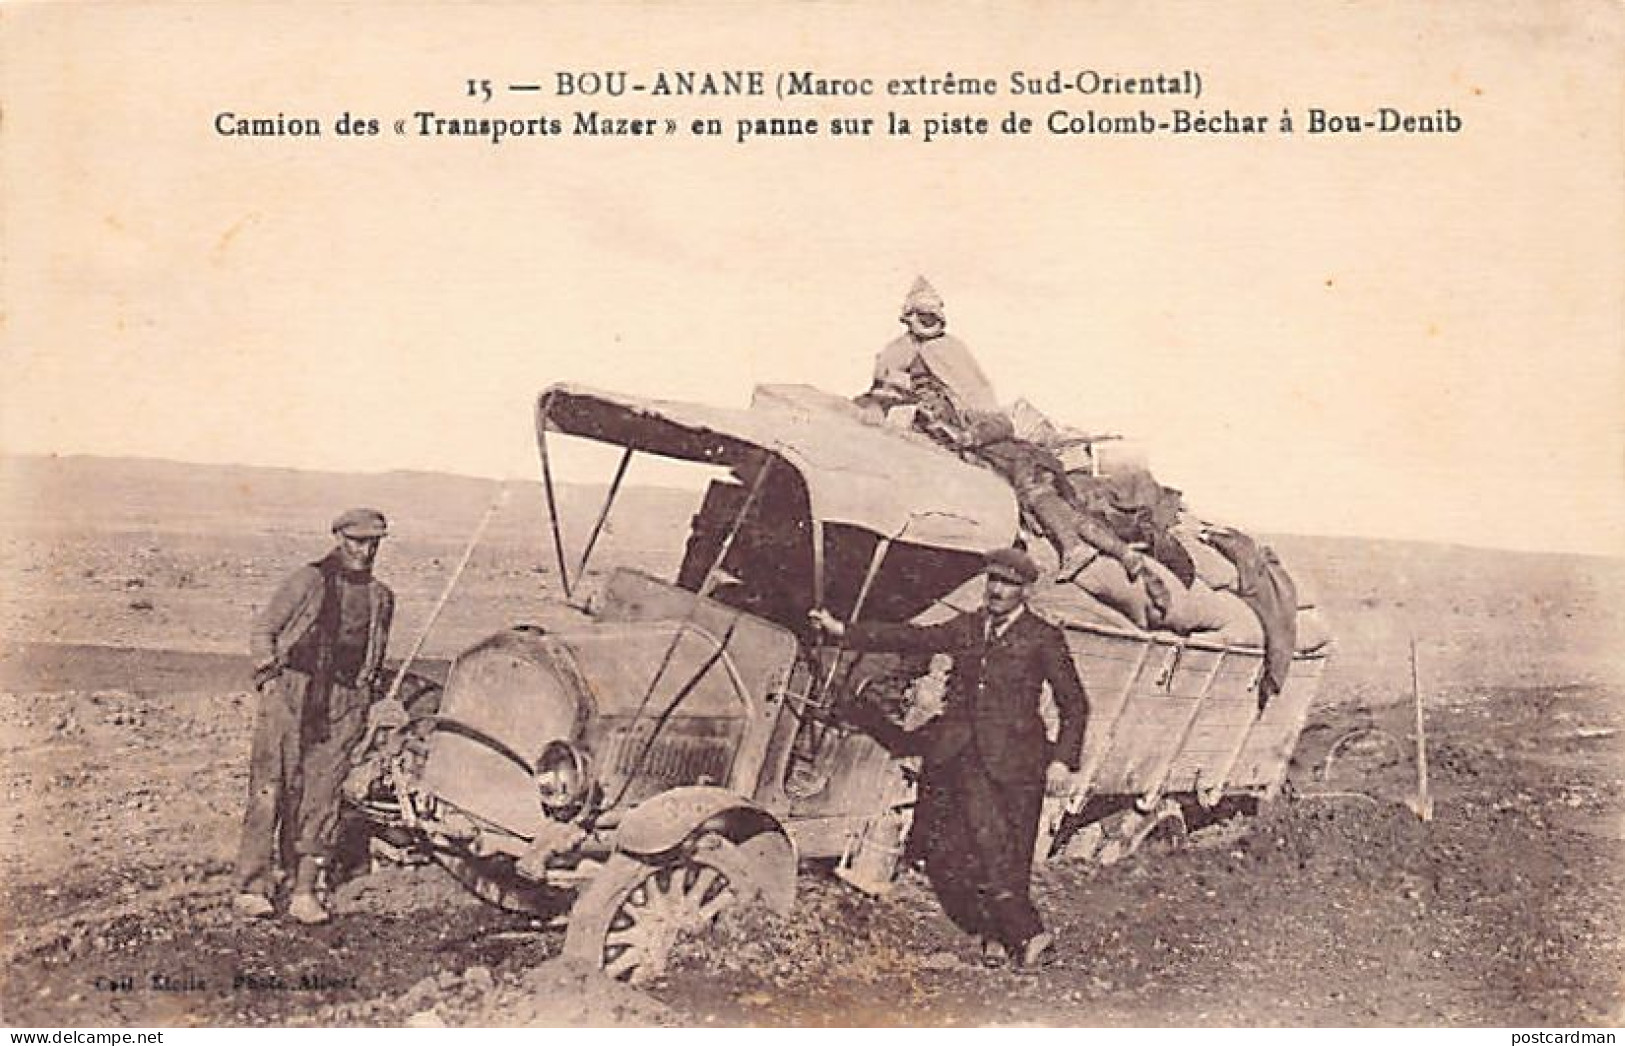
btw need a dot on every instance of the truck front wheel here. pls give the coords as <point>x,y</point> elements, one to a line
<point>634,913</point>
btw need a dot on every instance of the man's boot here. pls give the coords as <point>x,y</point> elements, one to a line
<point>1038,951</point>
<point>1059,523</point>
<point>1076,555</point>
<point>305,906</point>
<point>1074,561</point>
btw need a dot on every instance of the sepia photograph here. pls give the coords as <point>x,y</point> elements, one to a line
<point>682,514</point>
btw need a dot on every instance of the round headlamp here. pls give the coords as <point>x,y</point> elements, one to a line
<point>562,778</point>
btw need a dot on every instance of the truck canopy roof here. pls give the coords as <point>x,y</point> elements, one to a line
<point>854,473</point>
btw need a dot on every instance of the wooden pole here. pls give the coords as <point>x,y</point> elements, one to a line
<point>445,593</point>
<point>1424,800</point>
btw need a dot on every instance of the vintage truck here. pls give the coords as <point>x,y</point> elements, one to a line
<point>680,746</point>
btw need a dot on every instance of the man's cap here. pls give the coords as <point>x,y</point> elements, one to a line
<point>923,298</point>
<point>361,523</point>
<point>1011,564</point>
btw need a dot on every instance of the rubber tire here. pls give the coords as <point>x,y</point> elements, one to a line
<point>598,904</point>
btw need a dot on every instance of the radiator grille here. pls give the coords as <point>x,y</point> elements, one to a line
<point>680,755</point>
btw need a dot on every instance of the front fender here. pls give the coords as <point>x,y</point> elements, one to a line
<point>761,847</point>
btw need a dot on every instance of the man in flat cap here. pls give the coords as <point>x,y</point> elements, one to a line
<point>318,650</point>
<point>986,761</point>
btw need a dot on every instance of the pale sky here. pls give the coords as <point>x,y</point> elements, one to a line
<point>1398,336</point>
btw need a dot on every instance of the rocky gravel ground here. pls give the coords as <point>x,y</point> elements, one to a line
<point>1327,908</point>
<point>123,749</point>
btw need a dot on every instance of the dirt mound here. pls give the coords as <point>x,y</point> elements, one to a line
<point>390,889</point>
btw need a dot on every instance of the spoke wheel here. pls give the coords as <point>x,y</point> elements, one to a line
<point>633,915</point>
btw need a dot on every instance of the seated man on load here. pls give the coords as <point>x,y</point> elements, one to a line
<point>934,372</point>
<point>926,352</point>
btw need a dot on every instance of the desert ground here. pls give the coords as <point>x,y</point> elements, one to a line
<point>125,715</point>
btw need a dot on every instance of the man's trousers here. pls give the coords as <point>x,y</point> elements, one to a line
<point>304,742</point>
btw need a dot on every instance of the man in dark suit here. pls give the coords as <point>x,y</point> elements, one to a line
<point>986,761</point>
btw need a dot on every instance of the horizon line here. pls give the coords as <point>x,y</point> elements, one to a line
<point>485,477</point>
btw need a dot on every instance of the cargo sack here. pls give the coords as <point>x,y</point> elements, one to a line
<point>1140,511</point>
<point>1201,609</point>
<point>1212,568</point>
<point>1107,581</point>
<point>1241,625</point>
<point>1266,586</point>
<point>1167,550</point>
<point>1067,604</point>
